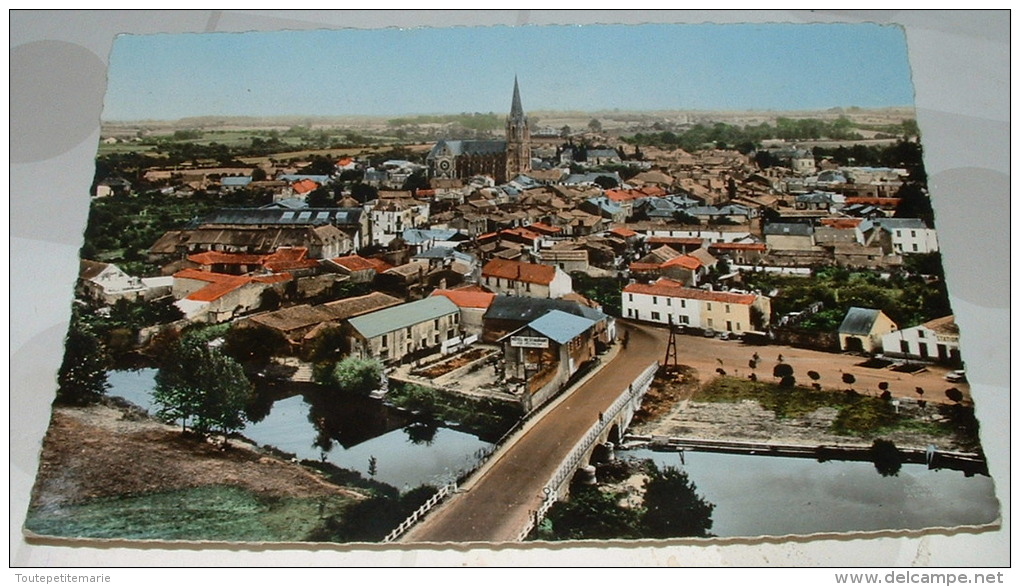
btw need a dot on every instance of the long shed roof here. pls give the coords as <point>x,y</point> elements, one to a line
<point>402,316</point>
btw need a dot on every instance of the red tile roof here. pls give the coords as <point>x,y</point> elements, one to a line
<point>643,267</point>
<point>522,232</point>
<point>357,263</point>
<point>624,232</point>
<point>221,284</point>
<point>685,261</point>
<point>669,288</point>
<point>544,228</point>
<point>841,222</point>
<point>527,272</point>
<point>465,298</point>
<point>287,258</point>
<point>304,186</point>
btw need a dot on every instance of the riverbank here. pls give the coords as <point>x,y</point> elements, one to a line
<point>101,463</point>
<point>676,408</point>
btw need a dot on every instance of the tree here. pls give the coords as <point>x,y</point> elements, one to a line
<point>672,507</point>
<point>203,386</point>
<point>887,458</point>
<point>954,395</point>
<point>81,379</point>
<point>591,514</point>
<point>360,376</point>
<point>782,370</point>
<point>253,346</point>
<point>594,125</point>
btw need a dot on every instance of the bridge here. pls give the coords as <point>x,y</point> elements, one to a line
<point>502,501</point>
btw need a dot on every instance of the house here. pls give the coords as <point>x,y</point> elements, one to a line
<point>359,269</point>
<point>113,186</point>
<point>540,357</point>
<point>569,257</point>
<point>508,313</point>
<point>320,241</point>
<point>107,284</point>
<point>790,236</point>
<point>406,332</point>
<point>389,218</point>
<point>526,279</point>
<point>934,341</point>
<point>473,302</point>
<point>903,236</point>
<point>862,330</point>
<point>203,296</point>
<point>750,253</point>
<point>299,323</point>
<point>668,302</point>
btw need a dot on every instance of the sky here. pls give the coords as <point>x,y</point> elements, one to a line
<point>393,72</point>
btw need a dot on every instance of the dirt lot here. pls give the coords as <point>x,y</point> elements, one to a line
<point>671,409</point>
<point>106,451</point>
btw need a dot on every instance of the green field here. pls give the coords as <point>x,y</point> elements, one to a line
<point>216,513</point>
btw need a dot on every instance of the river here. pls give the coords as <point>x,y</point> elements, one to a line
<point>354,433</point>
<point>777,496</point>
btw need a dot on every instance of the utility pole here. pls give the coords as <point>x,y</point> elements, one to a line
<point>671,358</point>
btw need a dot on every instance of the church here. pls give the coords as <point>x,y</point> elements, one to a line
<point>501,160</point>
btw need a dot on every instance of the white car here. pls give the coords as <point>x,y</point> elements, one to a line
<point>956,376</point>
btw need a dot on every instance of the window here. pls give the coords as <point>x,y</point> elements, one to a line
<point>708,306</point>
<point>655,301</point>
<point>727,308</point>
<point>683,303</point>
<point>669,301</point>
<point>630,297</point>
<point>655,316</point>
<point>384,341</point>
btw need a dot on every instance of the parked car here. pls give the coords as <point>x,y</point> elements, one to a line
<point>709,333</point>
<point>725,336</point>
<point>958,376</point>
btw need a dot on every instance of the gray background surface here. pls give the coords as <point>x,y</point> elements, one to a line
<point>960,64</point>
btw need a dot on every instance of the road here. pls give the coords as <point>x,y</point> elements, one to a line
<point>495,506</point>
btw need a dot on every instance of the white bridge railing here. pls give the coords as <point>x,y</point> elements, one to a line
<point>420,512</point>
<point>634,392</point>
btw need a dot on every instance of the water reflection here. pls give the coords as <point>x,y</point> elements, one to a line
<point>351,432</point>
<point>775,496</point>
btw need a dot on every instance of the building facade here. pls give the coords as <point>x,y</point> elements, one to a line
<point>500,160</point>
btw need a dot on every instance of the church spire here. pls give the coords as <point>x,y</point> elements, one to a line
<point>516,110</point>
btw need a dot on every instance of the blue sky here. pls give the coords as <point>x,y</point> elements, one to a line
<point>393,72</point>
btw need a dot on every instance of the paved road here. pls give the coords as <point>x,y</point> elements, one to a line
<point>495,506</point>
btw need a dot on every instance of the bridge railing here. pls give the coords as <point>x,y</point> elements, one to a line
<point>420,512</point>
<point>566,470</point>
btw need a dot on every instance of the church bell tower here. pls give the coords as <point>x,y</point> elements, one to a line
<point>518,138</point>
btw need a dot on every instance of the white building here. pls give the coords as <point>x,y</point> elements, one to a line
<point>906,235</point>
<point>669,302</point>
<point>934,341</point>
<point>390,218</point>
<point>526,279</point>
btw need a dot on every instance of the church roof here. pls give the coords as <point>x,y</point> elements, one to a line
<point>516,110</point>
<point>472,147</point>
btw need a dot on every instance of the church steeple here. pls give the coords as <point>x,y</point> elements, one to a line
<point>518,137</point>
<point>516,110</point>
